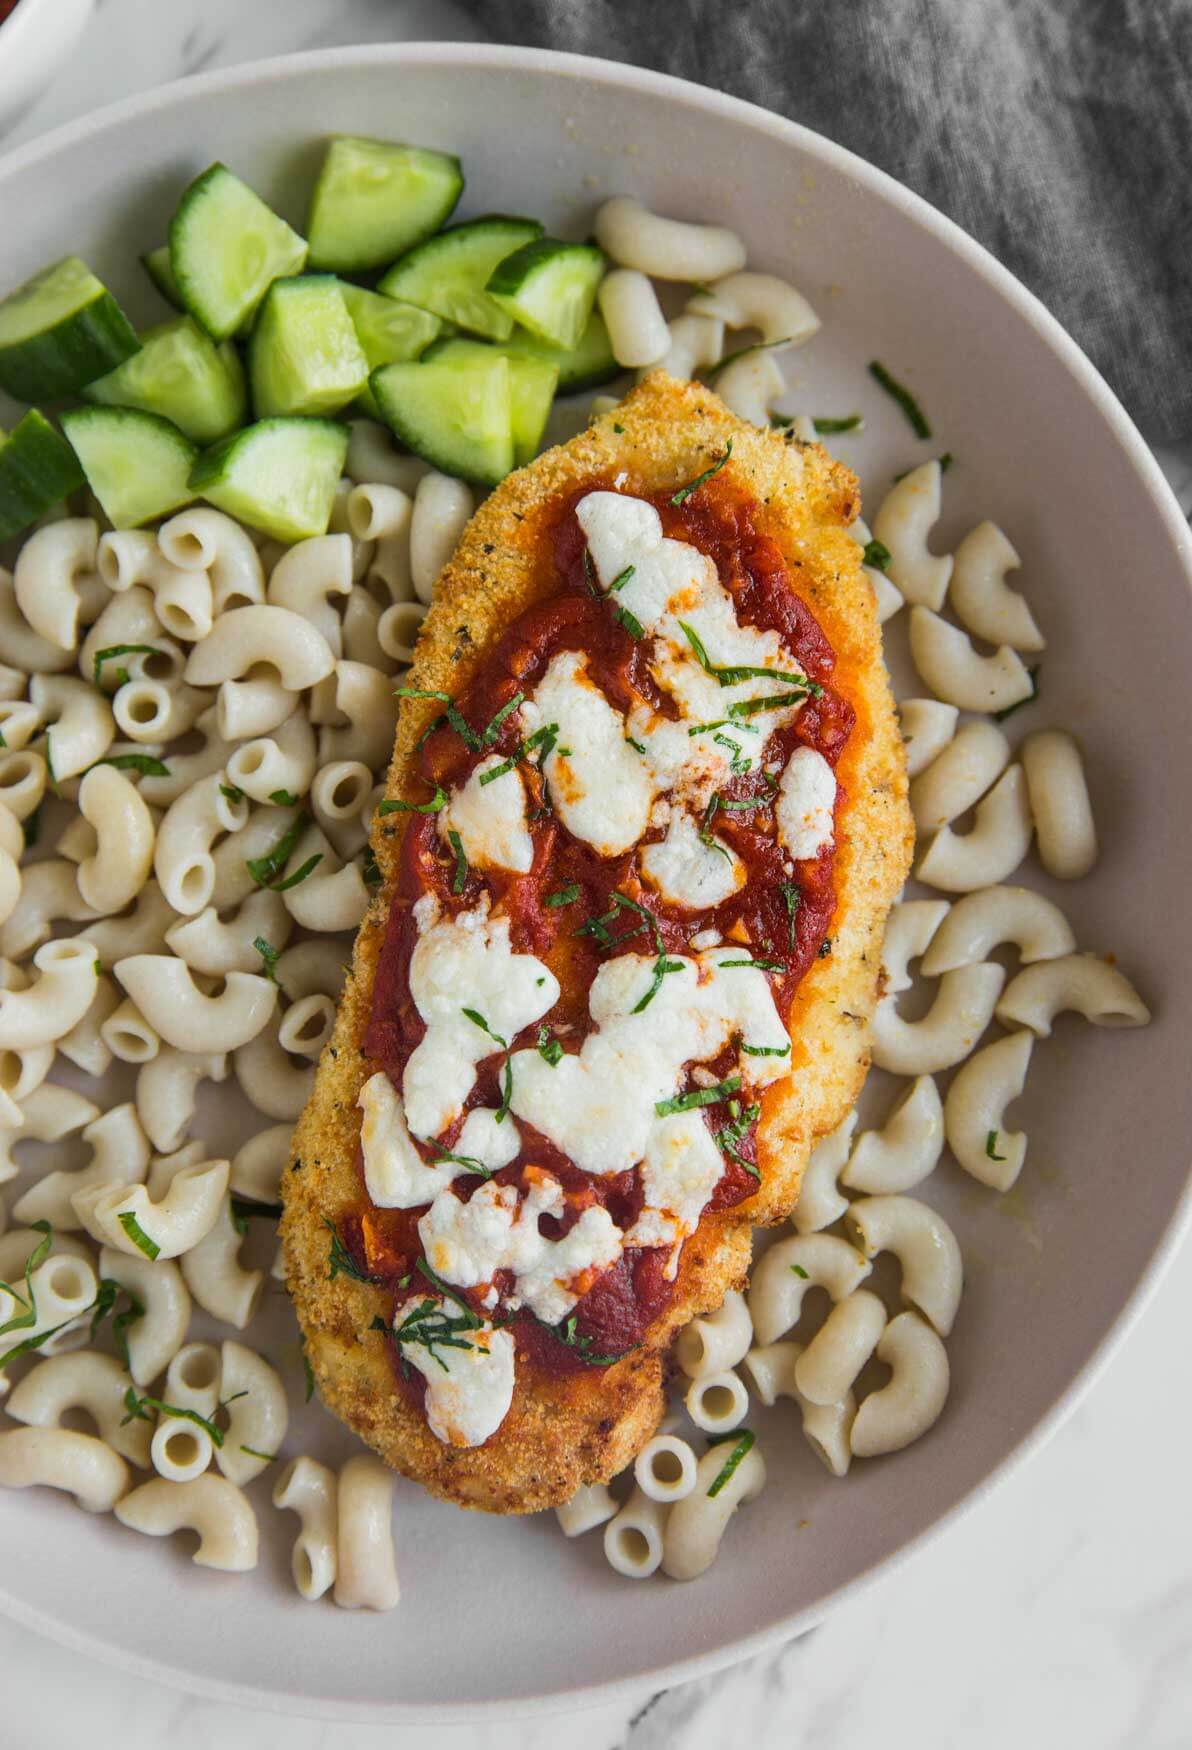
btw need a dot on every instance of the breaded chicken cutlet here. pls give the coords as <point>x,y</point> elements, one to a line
<point>646,816</point>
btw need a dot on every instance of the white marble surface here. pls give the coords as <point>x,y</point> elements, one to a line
<point>1058,1613</point>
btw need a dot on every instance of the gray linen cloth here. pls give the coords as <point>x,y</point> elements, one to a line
<point>1057,132</point>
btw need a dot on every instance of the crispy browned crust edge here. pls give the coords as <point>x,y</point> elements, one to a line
<point>562,1433</point>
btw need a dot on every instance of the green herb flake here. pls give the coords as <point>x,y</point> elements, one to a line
<point>478,1020</point>
<point>1033,673</point>
<point>684,493</point>
<point>621,579</point>
<point>662,966</point>
<point>826,426</point>
<point>265,870</point>
<point>638,746</point>
<point>731,677</point>
<point>144,763</point>
<point>698,1097</point>
<point>138,1409</point>
<point>766,1050</point>
<point>452,713</point>
<point>494,725</point>
<point>340,1261</point>
<point>269,955</point>
<point>563,895</point>
<point>548,1046</point>
<point>901,394</point>
<point>799,1271</point>
<point>876,555</point>
<point>232,794</point>
<point>469,1164</point>
<point>460,879</point>
<point>138,1236</point>
<point>744,1443</point>
<point>438,801</point>
<point>630,622</point>
<point>284,798</point>
<point>991,1146</point>
<point>114,650</point>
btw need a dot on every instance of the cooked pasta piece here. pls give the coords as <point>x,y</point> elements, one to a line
<point>165,992</point>
<point>926,1249</point>
<point>697,1524</point>
<point>983,601</point>
<point>960,775</point>
<point>904,521</point>
<point>155,1337</point>
<point>666,249</point>
<point>947,661</point>
<point>633,1537</point>
<point>1060,805</point>
<point>665,1468</point>
<point>992,918</point>
<point>307,576</point>
<point>48,578</point>
<point>58,1458</point>
<point>309,1489</point>
<point>1078,982</point>
<point>998,841</point>
<point>442,507</point>
<point>87,1381</point>
<point>826,1427</point>
<point>366,1572</point>
<point>637,330</point>
<point>974,1111</point>
<point>210,1505</point>
<point>906,1149</point>
<point>915,1396</point>
<point>589,1507</point>
<point>786,1271</point>
<point>828,1367</point>
<point>820,1202</point>
<point>717,1401</point>
<point>257,1413</point>
<point>717,1340</point>
<point>964,1005</point>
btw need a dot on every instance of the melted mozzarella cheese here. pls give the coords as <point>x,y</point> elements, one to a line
<point>597,1105</point>
<point>491,819</point>
<point>395,1174</point>
<point>485,1138</point>
<point>599,787</point>
<point>468,1390</point>
<point>673,585</point>
<point>467,1243</point>
<point>806,798</point>
<point>689,873</point>
<point>681,1169</point>
<point>458,963</point>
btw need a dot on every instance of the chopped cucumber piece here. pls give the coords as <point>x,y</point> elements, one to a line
<point>549,287</point>
<point>388,331</point>
<point>448,273</point>
<point>60,330</point>
<point>453,411</point>
<point>226,247</point>
<point>531,391</point>
<point>157,266</point>
<point>304,357</point>
<point>37,470</point>
<point>280,475</point>
<point>181,373</point>
<point>585,366</point>
<point>375,199</point>
<point>137,464</point>
<point>532,385</point>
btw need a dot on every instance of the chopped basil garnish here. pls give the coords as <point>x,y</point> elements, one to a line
<point>340,1261</point>
<point>460,878</point>
<point>265,870</point>
<point>437,801</point>
<point>621,579</point>
<point>563,895</point>
<point>731,677</point>
<point>478,1020</point>
<point>138,1409</point>
<point>114,650</point>
<point>825,425</point>
<point>232,793</point>
<point>744,1441</point>
<point>727,1139</point>
<point>630,622</point>
<point>898,392</point>
<point>138,1236</point>
<point>766,1050</point>
<point>543,738</point>
<point>469,1163</point>
<point>299,875</point>
<point>792,899</point>
<point>759,965</point>
<point>105,1299</point>
<point>685,492</point>
<point>738,761</point>
<point>453,714</point>
<point>699,1097</point>
<point>431,1327</point>
<point>37,1257</point>
<point>252,1452</point>
<point>661,967</point>
<point>1000,716</point>
<point>991,1146</point>
<point>742,352</point>
<point>548,1046</point>
<point>145,763</point>
<point>638,746</point>
<point>876,554</point>
<point>731,723</point>
<point>270,955</point>
<point>284,798</point>
<point>370,868</point>
<point>567,1331</point>
<point>799,1271</point>
<point>597,927</point>
<point>493,728</point>
<point>246,1209</point>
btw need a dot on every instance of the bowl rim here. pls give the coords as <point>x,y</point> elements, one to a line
<point>944,230</point>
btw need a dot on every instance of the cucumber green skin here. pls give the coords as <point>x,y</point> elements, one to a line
<point>586,366</point>
<point>156,460</point>
<point>549,287</point>
<point>37,470</point>
<point>447,274</point>
<point>182,374</point>
<point>349,232</point>
<point>220,475</point>
<point>157,265</point>
<point>187,266</point>
<point>459,420</point>
<point>295,373</point>
<point>62,360</point>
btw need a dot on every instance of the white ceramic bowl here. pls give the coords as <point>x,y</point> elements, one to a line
<point>35,40</point>
<point>501,1611</point>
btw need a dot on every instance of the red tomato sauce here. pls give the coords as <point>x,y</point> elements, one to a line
<point>784,918</point>
<point>7,6</point>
